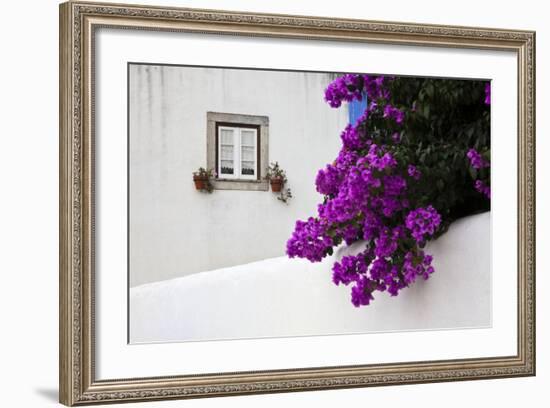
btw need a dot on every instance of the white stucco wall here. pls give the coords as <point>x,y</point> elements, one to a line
<point>175,230</point>
<point>293,297</point>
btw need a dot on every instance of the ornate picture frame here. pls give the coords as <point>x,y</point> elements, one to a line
<point>78,24</point>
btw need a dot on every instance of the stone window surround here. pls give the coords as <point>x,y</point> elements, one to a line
<point>248,185</point>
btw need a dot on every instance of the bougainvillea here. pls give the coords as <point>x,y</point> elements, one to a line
<point>479,163</point>
<point>415,161</point>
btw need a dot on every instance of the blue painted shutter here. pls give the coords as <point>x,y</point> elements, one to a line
<point>356,109</point>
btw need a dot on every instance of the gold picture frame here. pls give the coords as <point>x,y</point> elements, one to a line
<point>78,22</point>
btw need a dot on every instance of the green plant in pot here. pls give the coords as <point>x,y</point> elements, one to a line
<point>277,179</point>
<point>201,178</point>
<point>276,176</point>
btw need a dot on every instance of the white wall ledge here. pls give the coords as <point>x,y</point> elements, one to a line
<point>281,297</point>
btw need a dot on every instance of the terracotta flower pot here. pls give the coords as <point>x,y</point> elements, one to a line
<point>276,185</point>
<point>200,182</point>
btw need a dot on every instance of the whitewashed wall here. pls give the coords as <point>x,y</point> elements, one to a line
<point>293,297</point>
<point>175,230</point>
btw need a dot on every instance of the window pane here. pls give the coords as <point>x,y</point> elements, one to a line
<point>227,167</point>
<point>226,136</point>
<point>248,154</point>
<point>248,168</point>
<point>248,137</point>
<point>226,152</point>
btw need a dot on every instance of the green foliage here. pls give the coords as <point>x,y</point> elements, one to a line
<point>275,171</point>
<point>444,118</point>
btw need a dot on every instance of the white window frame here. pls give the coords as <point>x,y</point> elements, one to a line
<point>237,153</point>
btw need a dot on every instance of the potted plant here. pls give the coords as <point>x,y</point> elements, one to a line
<point>201,178</point>
<point>276,176</point>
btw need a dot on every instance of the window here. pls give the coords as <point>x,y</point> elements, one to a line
<point>237,149</point>
<point>237,152</point>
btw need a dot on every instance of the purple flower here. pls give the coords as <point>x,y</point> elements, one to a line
<point>379,160</point>
<point>361,293</point>
<point>352,87</point>
<point>328,180</point>
<point>422,222</point>
<point>387,242</point>
<point>394,113</point>
<point>309,240</point>
<point>413,172</point>
<point>483,188</point>
<point>373,106</point>
<point>487,93</point>
<point>476,160</point>
<point>371,225</point>
<point>394,185</point>
<point>417,264</point>
<point>352,139</point>
<point>345,88</point>
<point>349,269</point>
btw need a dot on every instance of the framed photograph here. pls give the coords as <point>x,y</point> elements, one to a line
<point>255,203</point>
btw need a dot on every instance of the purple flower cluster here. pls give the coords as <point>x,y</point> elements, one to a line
<point>394,113</point>
<point>328,180</point>
<point>483,188</point>
<point>352,87</point>
<point>365,191</point>
<point>309,240</point>
<point>347,88</point>
<point>361,293</point>
<point>413,172</point>
<point>478,163</point>
<point>476,160</point>
<point>487,93</point>
<point>369,272</point>
<point>423,222</point>
<point>350,268</point>
<point>352,138</point>
<point>417,264</point>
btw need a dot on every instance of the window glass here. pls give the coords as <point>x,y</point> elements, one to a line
<point>227,151</point>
